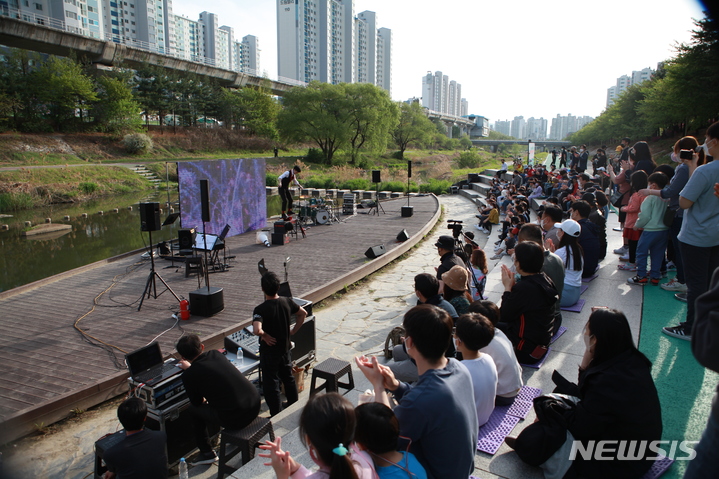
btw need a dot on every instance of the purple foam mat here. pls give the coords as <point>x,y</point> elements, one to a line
<point>523,403</point>
<point>659,467</point>
<point>583,288</point>
<point>575,308</point>
<point>539,363</point>
<point>492,434</point>
<point>586,280</point>
<point>560,331</point>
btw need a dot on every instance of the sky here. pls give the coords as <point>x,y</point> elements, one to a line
<point>512,57</point>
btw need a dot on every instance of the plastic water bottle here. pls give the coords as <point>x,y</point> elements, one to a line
<point>183,469</point>
<point>240,358</point>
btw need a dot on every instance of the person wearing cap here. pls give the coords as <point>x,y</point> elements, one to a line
<point>570,252</point>
<point>455,288</point>
<point>527,310</point>
<point>445,249</point>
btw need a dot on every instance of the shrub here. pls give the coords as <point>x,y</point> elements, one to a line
<point>355,184</point>
<point>271,179</point>
<point>314,155</point>
<point>469,159</point>
<point>392,186</point>
<point>398,155</point>
<point>438,187</point>
<point>136,143</point>
<point>88,187</point>
<point>15,201</point>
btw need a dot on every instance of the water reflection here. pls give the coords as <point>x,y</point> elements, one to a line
<point>92,238</point>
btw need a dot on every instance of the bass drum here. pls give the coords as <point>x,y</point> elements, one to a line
<point>323,217</point>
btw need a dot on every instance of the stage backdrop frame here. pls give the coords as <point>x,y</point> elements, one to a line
<point>236,194</point>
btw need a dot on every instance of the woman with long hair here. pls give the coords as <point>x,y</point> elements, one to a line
<point>327,429</point>
<point>478,263</point>
<point>642,157</point>
<point>570,252</point>
<point>618,403</point>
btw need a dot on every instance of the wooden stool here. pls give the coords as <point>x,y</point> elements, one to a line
<point>245,441</point>
<point>331,370</point>
<point>193,264</point>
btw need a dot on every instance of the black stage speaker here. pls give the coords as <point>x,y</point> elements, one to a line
<point>186,238</point>
<point>205,200</point>
<point>150,217</point>
<point>402,236</point>
<point>407,211</point>
<point>375,251</point>
<point>409,168</point>
<point>376,176</point>
<point>207,301</point>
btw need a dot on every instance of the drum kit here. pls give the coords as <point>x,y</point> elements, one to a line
<point>320,211</point>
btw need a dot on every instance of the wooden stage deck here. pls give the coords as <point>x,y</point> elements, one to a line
<point>47,368</point>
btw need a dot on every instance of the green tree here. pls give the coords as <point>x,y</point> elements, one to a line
<point>317,114</point>
<point>154,92</point>
<point>116,110</point>
<point>372,116</point>
<point>413,127</point>
<point>66,91</point>
<point>252,109</point>
<point>19,86</point>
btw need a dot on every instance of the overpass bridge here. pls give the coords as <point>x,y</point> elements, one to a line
<point>540,143</point>
<point>465,124</point>
<point>49,35</point>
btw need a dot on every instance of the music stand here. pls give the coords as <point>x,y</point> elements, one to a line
<point>151,285</point>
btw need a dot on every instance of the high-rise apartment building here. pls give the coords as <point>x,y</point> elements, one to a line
<point>563,126</point>
<point>625,81</point>
<point>536,129</point>
<point>518,127</point>
<point>189,39</point>
<point>366,45</point>
<point>384,59</point>
<point>147,23</point>
<point>250,55</point>
<point>441,94</point>
<point>503,127</point>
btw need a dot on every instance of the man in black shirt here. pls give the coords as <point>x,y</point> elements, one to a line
<point>219,394</point>
<point>271,322</point>
<point>142,454</point>
<point>445,248</point>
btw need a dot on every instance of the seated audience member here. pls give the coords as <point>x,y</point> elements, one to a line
<point>553,266</point>
<point>527,309</point>
<point>455,288</point>
<point>478,263</point>
<point>551,216</point>
<point>588,238</point>
<point>327,429</point>
<point>597,217</point>
<point>570,252</point>
<point>617,402</point>
<point>378,433</point>
<point>474,332</point>
<point>445,249</point>
<point>219,393</point>
<point>444,438</point>
<point>143,452</point>
<point>505,246</point>
<point>509,372</point>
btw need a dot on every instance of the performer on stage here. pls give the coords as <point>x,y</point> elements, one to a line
<point>142,452</point>
<point>284,188</point>
<point>271,322</point>
<point>219,394</point>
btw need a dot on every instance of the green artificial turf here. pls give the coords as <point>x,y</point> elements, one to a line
<point>685,387</point>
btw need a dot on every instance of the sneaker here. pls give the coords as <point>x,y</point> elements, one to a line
<point>284,216</point>
<point>674,285</point>
<point>485,231</point>
<point>671,266</point>
<point>290,212</point>
<point>497,256</point>
<point>654,281</point>
<point>204,458</point>
<point>664,274</point>
<point>497,242</point>
<point>627,267</point>
<point>624,257</point>
<point>621,251</point>
<point>681,297</point>
<point>638,280</point>
<point>618,228</point>
<point>677,332</point>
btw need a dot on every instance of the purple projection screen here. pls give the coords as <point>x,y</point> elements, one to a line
<point>237,194</point>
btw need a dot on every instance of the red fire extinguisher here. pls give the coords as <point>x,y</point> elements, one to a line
<point>184,310</point>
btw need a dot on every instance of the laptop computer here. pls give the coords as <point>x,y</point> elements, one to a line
<point>146,365</point>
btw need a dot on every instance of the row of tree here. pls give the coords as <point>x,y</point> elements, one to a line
<point>682,97</point>
<point>44,94</point>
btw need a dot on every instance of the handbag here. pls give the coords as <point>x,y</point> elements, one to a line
<point>668,218</point>
<point>616,199</point>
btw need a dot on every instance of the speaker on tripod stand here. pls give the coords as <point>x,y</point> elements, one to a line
<point>206,301</point>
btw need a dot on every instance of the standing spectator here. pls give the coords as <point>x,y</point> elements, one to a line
<point>623,187</point>
<point>653,240</point>
<point>563,158</point>
<point>642,156</point>
<point>582,159</point>
<point>554,158</point>
<point>699,235</point>
<point>638,182</point>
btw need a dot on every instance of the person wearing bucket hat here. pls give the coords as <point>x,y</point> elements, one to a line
<point>445,249</point>
<point>455,288</point>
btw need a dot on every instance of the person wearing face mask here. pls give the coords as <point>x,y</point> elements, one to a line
<point>699,235</point>
<point>671,192</point>
<point>617,397</point>
<point>551,216</point>
<point>582,159</point>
